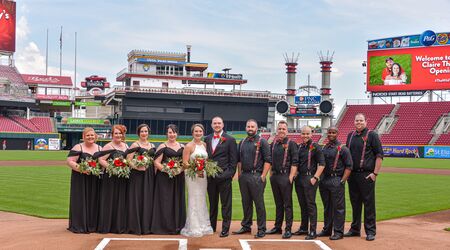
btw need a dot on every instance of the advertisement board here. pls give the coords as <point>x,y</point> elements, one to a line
<point>437,152</point>
<point>71,120</point>
<point>421,68</point>
<point>401,151</point>
<point>307,99</point>
<point>53,144</point>
<point>40,144</point>
<point>7,26</point>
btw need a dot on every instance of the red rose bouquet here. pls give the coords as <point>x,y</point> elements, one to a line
<point>142,160</point>
<point>172,166</point>
<point>90,166</point>
<point>118,167</point>
<point>201,164</point>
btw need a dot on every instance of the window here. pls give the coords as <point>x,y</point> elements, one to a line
<point>192,110</point>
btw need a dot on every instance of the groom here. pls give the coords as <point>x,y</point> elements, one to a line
<point>221,148</point>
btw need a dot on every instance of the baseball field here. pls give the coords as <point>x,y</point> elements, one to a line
<point>37,184</point>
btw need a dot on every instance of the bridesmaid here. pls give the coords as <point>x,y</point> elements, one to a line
<point>84,189</point>
<point>169,206</point>
<point>140,191</point>
<point>113,202</point>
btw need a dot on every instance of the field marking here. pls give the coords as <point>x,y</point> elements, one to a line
<point>246,246</point>
<point>182,243</point>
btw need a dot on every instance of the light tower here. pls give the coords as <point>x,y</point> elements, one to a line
<point>291,71</point>
<point>326,106</point>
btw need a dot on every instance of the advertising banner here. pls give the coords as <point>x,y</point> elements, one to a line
<point>53,144</point>
<point>7,26</point>
<point>437,152</point>
<point>409,69</point>
<point>85,121</point>
<point>40,144</point>
<point>51,97</point>
<point>307,99</point>
<point>401,151</point>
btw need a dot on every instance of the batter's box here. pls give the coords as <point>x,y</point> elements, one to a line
<point>283,244</point>
<point>142,243</point>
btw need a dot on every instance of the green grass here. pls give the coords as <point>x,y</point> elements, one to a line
<point>24,155</point>
<point>416,163</point>
<point>378,63</point>
<point>44,192</point>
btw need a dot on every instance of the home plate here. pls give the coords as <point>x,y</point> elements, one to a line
<point>285,244</point>
<point>140,243</point>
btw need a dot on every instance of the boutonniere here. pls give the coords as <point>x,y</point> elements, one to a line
<point>339,149</point>
<point>285,146</point>
<point>258,144</point>
<point>222,139</point>
<point>311,147</point>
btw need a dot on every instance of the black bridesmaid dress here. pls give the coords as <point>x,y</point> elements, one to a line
<point>113,200</point>
<point>84,198</point>
<point>140,196</point>
<point>169,204</point>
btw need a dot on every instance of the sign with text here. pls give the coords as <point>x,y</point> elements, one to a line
<point>85,121</point>
<point>307,99</point>
<point>401,151</point>
<point>51,97</point>
<point>7,26</point>
<point>409,69</point>
<point>437,152</point>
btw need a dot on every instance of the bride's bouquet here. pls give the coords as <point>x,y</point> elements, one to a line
<point>142,160</point>
<point>173,166</point>
<point>90,166</point>
<point>118,167</point>
<point>200,164</point>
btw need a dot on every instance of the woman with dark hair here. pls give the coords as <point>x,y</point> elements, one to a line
<point>140,191</point>
<point>113,201</point>
<point>84,187</point>
<point>397,76</point>
<point>169,206</point>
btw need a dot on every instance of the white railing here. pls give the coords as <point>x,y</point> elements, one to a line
<point>199,91</point>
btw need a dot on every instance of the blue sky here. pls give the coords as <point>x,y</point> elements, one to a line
<point>248,36</point>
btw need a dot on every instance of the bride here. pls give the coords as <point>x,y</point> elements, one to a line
<point>197,221</point>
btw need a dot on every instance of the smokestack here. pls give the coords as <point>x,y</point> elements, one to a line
<point>291,71</point>
<point>188,47</point>
<point>325,64</point>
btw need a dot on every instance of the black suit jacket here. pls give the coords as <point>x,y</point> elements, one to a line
<point>225,155</point>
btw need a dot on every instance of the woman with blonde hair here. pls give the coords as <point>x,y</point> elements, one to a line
<point>84,187</point>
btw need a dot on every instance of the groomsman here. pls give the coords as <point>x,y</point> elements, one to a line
<point>367,155</point>
<point>284,168</point>
<point>254,164</point>
<point>310,167</point>
<point>221,148</point>
<point>338,166</point>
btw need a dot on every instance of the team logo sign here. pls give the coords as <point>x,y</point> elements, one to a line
<point>442,38</point>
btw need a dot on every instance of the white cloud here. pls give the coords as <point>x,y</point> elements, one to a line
<point>22,29</point>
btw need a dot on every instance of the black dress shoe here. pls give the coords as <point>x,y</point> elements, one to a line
<point>311,236</point>
<point>287,235</point>
<point>352,234</point>
<point>336,237</point>
<point>300,232</point>
<point>224,234</point>
<point>242,231</point>
<point>323,234</point>
<point>370,237</point>
<point>260,234</point>
<point>274,231</point>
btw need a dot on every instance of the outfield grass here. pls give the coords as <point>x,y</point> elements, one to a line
<point>44,192</point>
<point>416,163</point>
<point>31,155</point>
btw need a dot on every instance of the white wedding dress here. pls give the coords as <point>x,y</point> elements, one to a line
<point>197,220</point>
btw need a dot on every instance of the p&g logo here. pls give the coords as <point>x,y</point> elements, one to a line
<point>428,38</point>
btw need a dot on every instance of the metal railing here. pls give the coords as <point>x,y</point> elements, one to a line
<point>199,91</point>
